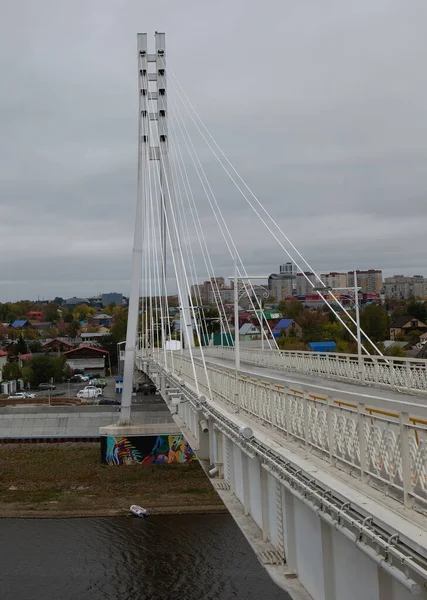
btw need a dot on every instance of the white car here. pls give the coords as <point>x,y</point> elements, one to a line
<point>20,396</point>
<point>89,392</point>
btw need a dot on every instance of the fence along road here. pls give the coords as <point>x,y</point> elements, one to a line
<point>405,374</point>
<point>380,397</point>
<point>383,448</point>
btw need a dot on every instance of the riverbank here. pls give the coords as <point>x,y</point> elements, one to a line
<point>68,480</point>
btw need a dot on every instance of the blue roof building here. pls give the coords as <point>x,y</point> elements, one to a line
<point>20,323</point>
<point>322,346</point>
<point>283,325</point>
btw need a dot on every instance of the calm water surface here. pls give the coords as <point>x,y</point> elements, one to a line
<point>201,557</point>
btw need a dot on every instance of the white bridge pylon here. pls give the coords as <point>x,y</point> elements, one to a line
<point>175,243</point>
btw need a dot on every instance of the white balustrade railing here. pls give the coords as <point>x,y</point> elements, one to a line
<point>403,373</point>
<point>381,448</point>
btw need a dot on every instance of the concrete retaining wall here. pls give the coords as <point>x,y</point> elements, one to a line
<point>73,421</point>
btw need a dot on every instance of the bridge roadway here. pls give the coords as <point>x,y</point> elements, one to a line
<point>321,530</point>
<point>391,400</point>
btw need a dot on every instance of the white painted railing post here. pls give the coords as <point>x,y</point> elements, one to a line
<point>331,437</point>
<point>408,375</point>
<point>306,424</point>
<point>362,441</point>
<point>287,412</point>
<point>406,459</point>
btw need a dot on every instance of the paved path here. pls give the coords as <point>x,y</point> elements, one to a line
<point>350,392</point>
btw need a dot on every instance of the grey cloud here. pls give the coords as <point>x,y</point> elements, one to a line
<point>320,106</point>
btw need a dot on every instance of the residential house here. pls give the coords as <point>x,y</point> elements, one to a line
<point>87,358</point>
<point>405,325</point>
<point>91,337</point>
<point>287,327</point>
<point>249,331</point>
<point>43,326</point>
<point>22,324</point>
<point>101,320</point>
<point>35,315</point>
<point>56,345</point>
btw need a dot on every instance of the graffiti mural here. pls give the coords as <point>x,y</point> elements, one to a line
<point>146,450</point>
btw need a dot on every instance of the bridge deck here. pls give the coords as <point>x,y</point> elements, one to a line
<point>351,392</point>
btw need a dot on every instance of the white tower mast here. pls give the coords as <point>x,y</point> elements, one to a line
<point>157,100</point>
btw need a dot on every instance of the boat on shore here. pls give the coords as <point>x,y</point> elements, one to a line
<point>138,511</point>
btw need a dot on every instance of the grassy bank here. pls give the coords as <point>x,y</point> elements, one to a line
<point>58,480</point>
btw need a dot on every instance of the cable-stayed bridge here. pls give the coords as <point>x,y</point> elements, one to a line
<point>322,459</point>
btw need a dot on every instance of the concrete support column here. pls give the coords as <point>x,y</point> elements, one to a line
<point>265,512</point>
<point>211,442</point>
<point>246,489</point>
<point>230,451</point>
<point>219,453</point>
<point>328,561</point>
<point>203,437</point>
<point>291,553</point>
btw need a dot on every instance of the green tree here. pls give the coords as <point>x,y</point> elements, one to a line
<point>72,329</point>
<point>417,309</point>
<point>11,371</point>
<point>374,322</point>
<point>209,319</point>
<point>291,309</point>
<point>44,367</point>
<point>68,317</point>
<point>21,346</point>
<point>291,343</point>
<point>34,346</point>
<point>58,300</point>
<point>395,350</point>
<point>51,313</point>
<point>118,334</point>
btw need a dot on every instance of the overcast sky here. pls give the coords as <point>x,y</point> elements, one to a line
<point>321,106</point>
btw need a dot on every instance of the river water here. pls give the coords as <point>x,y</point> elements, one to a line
<point>197,557</point>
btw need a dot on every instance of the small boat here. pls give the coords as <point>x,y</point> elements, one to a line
<point>138,511</point>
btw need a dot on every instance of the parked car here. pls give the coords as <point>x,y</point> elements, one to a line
<point>76,379</point>
<point>89,392</point>
<point>93,387</point>
<point>108,401</point>
<point>47,386</point>
<point>20,396</point>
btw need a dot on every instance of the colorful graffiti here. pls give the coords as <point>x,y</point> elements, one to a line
<point>147,450</point>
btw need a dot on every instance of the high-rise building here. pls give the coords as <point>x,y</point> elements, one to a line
<point>303,286</point>
<point>112,298</point>
<point>370,282</point>
<point>402,287</point>
<point>283,284</point>
<point>334,280</point>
